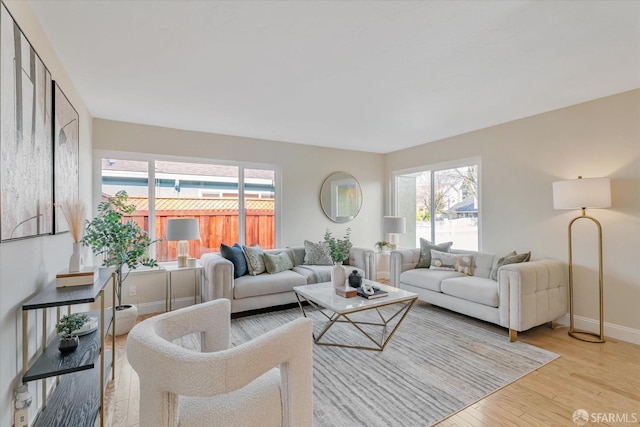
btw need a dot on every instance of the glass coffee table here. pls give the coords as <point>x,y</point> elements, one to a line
<point>337,309</point>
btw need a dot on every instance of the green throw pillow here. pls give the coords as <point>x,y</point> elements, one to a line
<point>511,259</point>
<point>316,254</point>
<point>425,251</point>
<point>275,263</point>
<point>255,263</point>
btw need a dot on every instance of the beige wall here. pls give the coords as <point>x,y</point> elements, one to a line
<point>27,265</point>
<point>520,160</point>
<point>303,169</point>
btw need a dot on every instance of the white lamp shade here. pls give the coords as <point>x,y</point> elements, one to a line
<point>582,193</point>
<point>183,229</point>
<point>394,224</point>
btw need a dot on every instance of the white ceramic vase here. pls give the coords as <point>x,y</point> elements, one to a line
<point>338,275</point>
<point>125,320</point>
<point>76,262</point>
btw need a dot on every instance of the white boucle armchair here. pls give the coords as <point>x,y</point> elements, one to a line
<point>264,382</point>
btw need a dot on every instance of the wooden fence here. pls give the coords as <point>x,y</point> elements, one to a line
<point>221,227</point>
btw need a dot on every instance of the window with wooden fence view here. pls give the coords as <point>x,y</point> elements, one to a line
<point>210,193</point>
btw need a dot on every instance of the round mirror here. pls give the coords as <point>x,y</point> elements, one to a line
<point>341,197</point>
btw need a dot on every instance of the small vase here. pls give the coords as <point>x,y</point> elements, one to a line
<point>68,344</point>
<point>355,280</point>
<point>338,275</point>
<point>76,262</point>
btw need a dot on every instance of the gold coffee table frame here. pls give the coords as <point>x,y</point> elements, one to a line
<point>406,302</point>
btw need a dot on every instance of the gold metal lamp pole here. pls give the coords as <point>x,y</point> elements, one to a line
<point>581,194</point>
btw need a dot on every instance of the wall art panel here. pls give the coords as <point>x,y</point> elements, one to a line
<point>65,154</point>
<point>26,152</point>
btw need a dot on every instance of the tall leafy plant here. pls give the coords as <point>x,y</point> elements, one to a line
<point>338,248</point>
<point>119,242</point>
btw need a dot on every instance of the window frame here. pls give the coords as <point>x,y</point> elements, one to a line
<point>150,158</point>
<point>435,167</point>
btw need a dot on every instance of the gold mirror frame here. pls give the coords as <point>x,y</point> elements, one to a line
<point>341,197</point>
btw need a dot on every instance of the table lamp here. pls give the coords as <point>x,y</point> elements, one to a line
<point>182,230</point>
<point>582,194</point>
<point>394,225</point>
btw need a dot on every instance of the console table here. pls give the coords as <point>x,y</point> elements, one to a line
<point>78,396</point>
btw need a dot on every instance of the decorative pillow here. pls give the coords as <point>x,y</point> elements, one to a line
<point>275,263</point>
<point>464,264</point>
<point>255,263</point>
<point>236,256</point>
<point>442,261</point>
<point>494,268</point>
<point>316,254</point>
<point>425,252</point>
<point>510,259</point>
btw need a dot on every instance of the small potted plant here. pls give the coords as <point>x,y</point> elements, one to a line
<point>66,326</point>
<point>383,246</point>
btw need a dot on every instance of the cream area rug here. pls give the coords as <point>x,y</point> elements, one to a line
<point>436,364</point>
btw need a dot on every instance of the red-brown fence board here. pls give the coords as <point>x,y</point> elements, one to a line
<point>214,229</point>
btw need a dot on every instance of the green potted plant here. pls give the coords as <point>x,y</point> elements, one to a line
<point>119,243</point>
<point>339,251</point>
<point>66,326</point>
<point>383,246</point>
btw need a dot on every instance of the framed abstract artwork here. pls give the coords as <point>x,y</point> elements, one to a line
<point>26,151</point>
<point>66,140</point>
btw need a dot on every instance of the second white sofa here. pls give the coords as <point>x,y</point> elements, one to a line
<point>525,295</point>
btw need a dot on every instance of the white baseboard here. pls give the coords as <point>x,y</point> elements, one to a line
<point>159,306</point>
<point>623,333</point>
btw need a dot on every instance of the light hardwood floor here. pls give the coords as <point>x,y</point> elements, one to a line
<point>599,378</point>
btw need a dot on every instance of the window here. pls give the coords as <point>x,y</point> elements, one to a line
<point>232,203</point>
<point>443,202</point>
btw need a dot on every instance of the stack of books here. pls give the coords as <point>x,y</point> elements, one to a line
<point>81,278</point>
<point>377,293</point>
<point>346,292</point>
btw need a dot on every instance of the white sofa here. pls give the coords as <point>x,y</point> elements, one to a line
<point>268,290</point>
<point>525,295</point>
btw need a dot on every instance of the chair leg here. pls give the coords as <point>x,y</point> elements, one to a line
<point>513,335</point>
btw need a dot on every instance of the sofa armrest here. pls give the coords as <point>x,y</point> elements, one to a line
<point>402,260</point>
<point>218,275</point>
<point>532,293</point>
<point>364,259</point>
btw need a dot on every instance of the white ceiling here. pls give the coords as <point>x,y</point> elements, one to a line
<point>375,76</point>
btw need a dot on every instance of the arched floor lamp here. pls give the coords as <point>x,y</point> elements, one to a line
<point>582,194</point>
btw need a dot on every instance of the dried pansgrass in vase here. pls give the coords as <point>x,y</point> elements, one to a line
<point>74,212</point>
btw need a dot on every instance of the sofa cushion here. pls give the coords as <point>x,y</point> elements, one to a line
<point>483,264</point>
<point>236,256</point>
<point>266,284</point>
<point>321,273</point>
<point>316,254</point>
<point>425,251</point>
<point>255,263</point>
<point>475,289</point>
<point>298,254</point>
<point>427,279</point>
<point>275,263</point>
